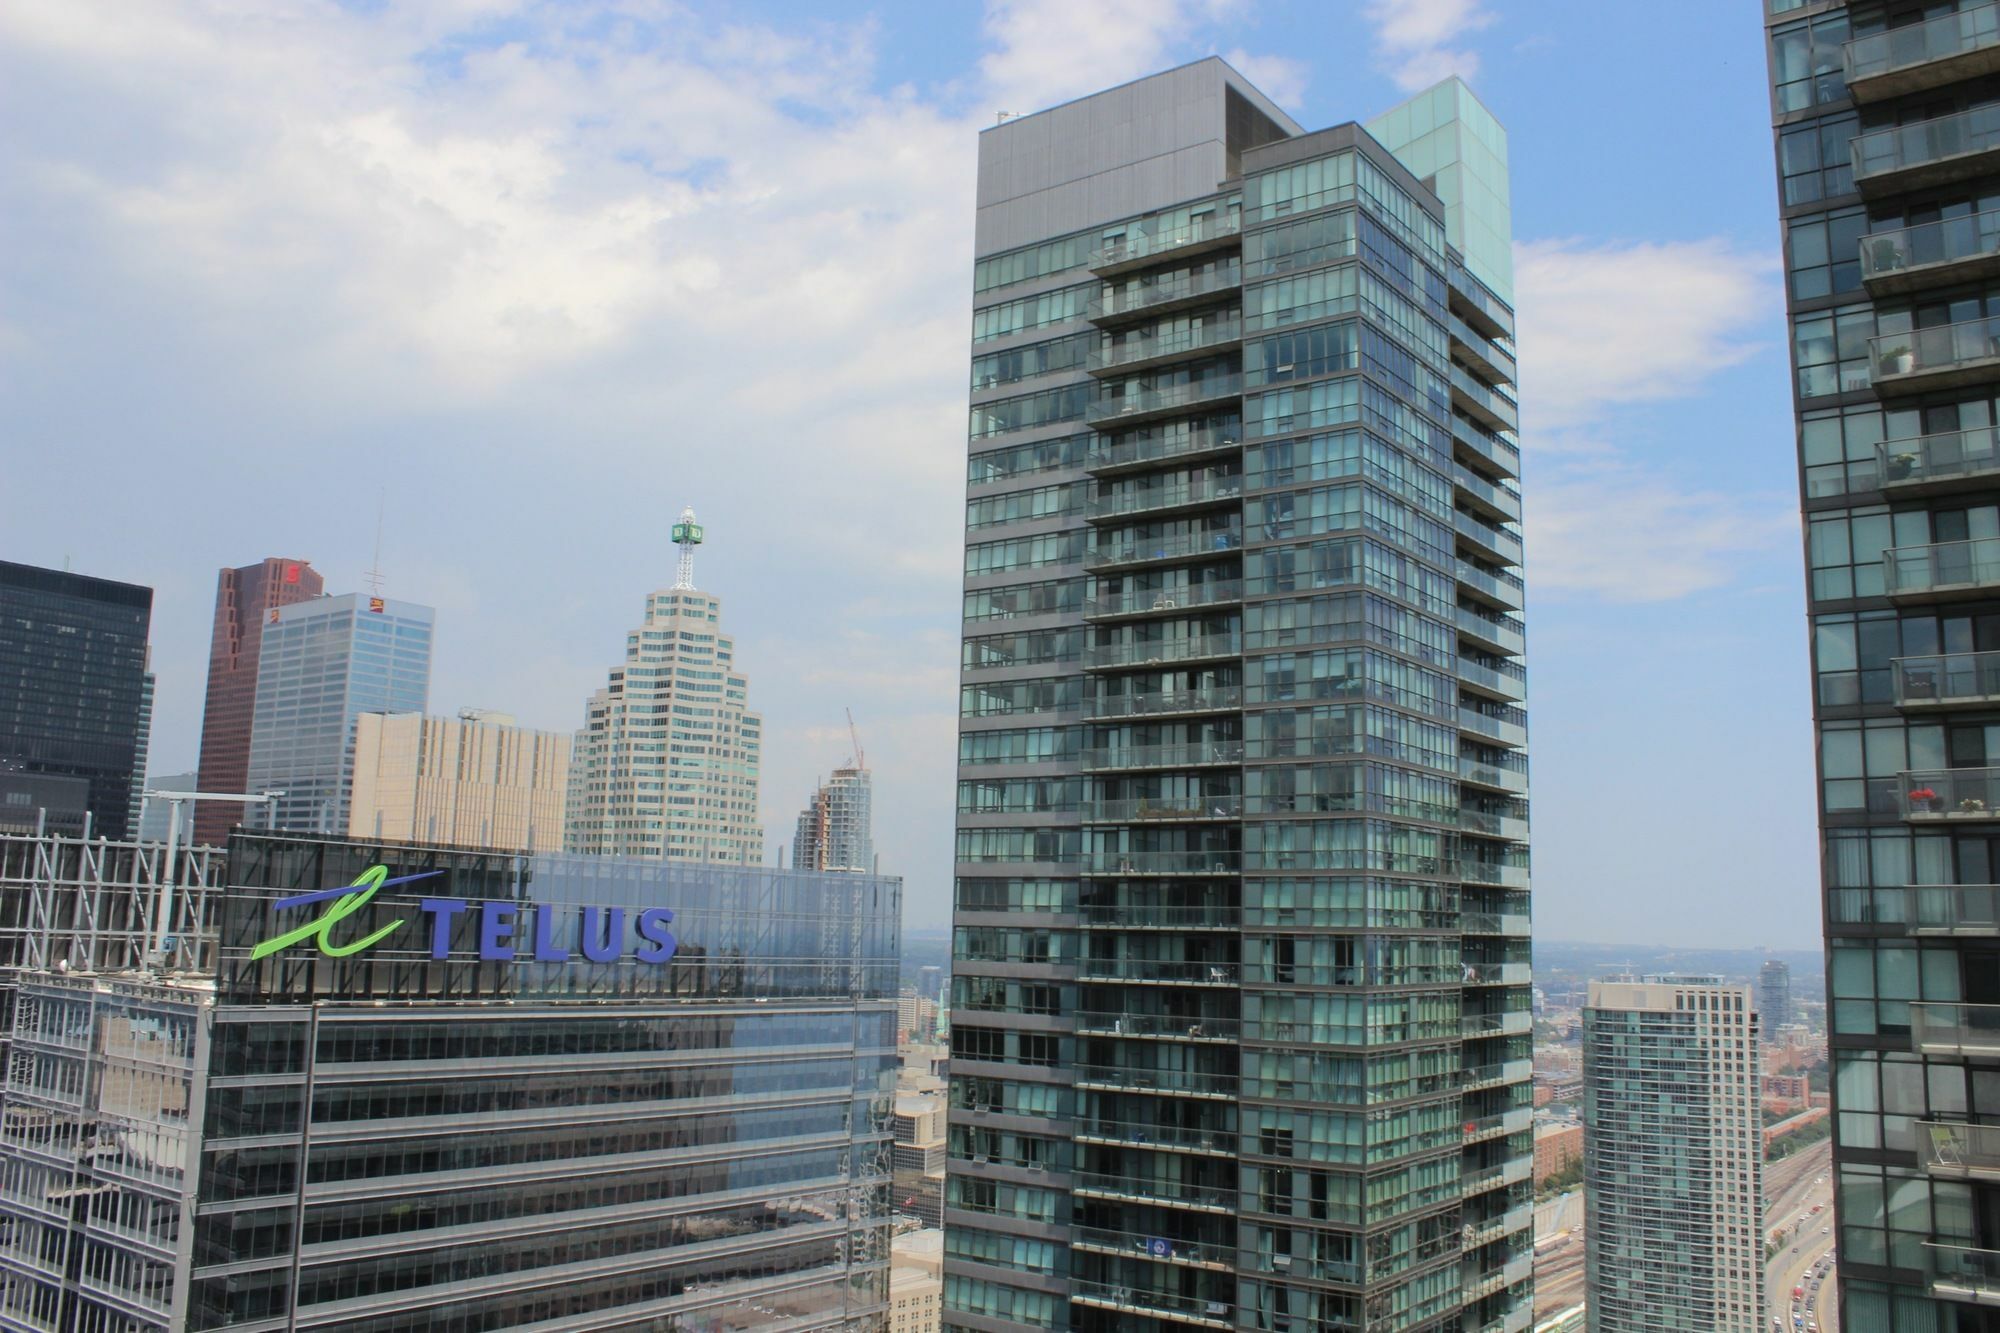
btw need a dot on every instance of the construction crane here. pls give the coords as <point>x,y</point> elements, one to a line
<point>860,759</point>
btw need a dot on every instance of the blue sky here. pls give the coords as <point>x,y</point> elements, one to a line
<point>545,273</point>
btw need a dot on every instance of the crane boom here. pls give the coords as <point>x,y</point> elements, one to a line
<point>860,759</point>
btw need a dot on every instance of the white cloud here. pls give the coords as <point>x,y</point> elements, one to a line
<point>1415,39</point>
<point>1049,51</point>
<point>1281,78</point>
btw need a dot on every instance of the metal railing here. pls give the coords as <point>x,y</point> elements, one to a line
<point>1952,1148</point>
<point>1926,142</point>
<point>1163,809</point>
<point>1955,1029</point>
<point>1187,754</point>
<point>1222,698</point>
<point>1504,777</point>
<point>1180,1082</point>
<point>1505,633</point>
<point>1157,1025</point>
<point>1200,490</point>
<point>1919,569</point>
<point>1940,679</point>
<point>1954,909</point>
<point>1502,587</point>
<point>1161,652</point>
<point>1931,245</point>
<point>1138,550</point>
<point>1950,793</point>
<point>1963,1271</point>
<point>1915,44</point>
<point>1137,245</point>
<point>1153,449</point>
<point>1145,916</point>
<point>1194,338</point>
<point>1159,1136</point>
<point>1176,972</point>
<point>1944,457</point>
<point>1497,539</point>
<point>1166,1250</point>
<point>1219,1314</point>
<point>1172,398</point>
<point>1163,863</point>
<point>1129,298</point>
<point>1918,352</point>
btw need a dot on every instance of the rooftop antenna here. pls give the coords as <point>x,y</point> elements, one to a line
<point>374,575</point>
<point>687,536</point>
<point>860,759</point>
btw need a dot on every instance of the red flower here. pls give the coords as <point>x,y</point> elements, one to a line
<point>1923,794</point>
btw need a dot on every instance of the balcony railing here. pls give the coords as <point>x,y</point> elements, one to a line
<point>1138,247</point>
<point>1932,464</point>
<point>1163,863</point>
<point>1947,680</point>
<point>1157,1025</point>
<point>1496,542</point>
<point>1158,1304</point>
<point>1112,552</point>
<point>1510,1172</point>
<point>1500,634</point>
<point>1180,597</point>
<point>1959,1150</point>
<point>1220,699</point>
<point>1928,152</point>
<point>1185,342</point>
<point>1953,250</point>
<point>1157,1248</point>
<point>1509,924</point>
<point>1175,972</point>
<point>1497,776</point>
<point>1163,809</point>
<point>1954,909</point>
<point>1502,451</point>
<point>1201,490</point>
<point>1128,299</point>
<point>1485,1233</point>
<point>1947,569</point>
<point>1499,730</point>
<point>1189,754</point>
<point>1479,298</point>
<point>1950,793</point>
<point>1145,916</point>
<point>1106,455</point>
<point>1158,1136</point>
<point>1503,500</point>
<point>1955,1029</point>
<point>1509,681</point>
<point>1491,355</point>
<point>1177,1082</point>
<point>1963,1273</point>
<point>1499,1126</point>
<point>1479,1077</point>
<point>1160,652</point>
<point>1940,357</point>
<point>1501,974</point>
<point>1924,55</point>
<point>1505,589</point>
<point>1109,410</point>
<point>1514,828</point>
<point>1495,407</point>
<point>1497,1025</point>
<point>1475,871</point>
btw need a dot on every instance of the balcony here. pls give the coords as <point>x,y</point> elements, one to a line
<point>1138,353</point>
<point>1478,304</point>
<point>1931,254</point>
<point>1502,974</point>
<point>1495,503</point>
<point>1493,777</point>
<point>1159,1249</point>
<point>1496,544</point>
<point>1493,408</point>
<point>1480,1283</point>
<point>1944,356</point>
<point>1507,925</point>
<point>1166,1082</point>
<point>1108,412</point>
<point>1158,971</point>
<point>1508,682</point>
<point>1171,1138</point>
<point>1947,680</point>
<point>1500,452</point>
<point>1117,552</point>
<point>1162,652</point>
<point>1940,464</point>
<point>1962,1273</point>
<point>1163,810</point>
<point>1959,1151</point>
<point>1499,730</point>
<point>1954,909</point>
<point>1939,794</point>
<point>1151,601</point>
<point>1220,699</point>
<point>1957,1030</point>
<point>1510,1172</point>
<point>1505,590</point>
<point>1514,1219</point>
<point>1139,1301</point>
<point>1502,636</point>
<point>1163,1026</point>
<point>1478,1078</point>
<point>1929,152</point>
<point>1948,571</point>
<point>1134,249</point>
<point>1492,873</point>
<point>1918,56</point>
<point>1514,828</point>
<point>1106,456</point>
<point>1186,494</point>
<point>1189,754</point>
<point>1484,352</point>
<point>1172,291</point>
<point>1145,916</point>
<point>1472,1027</point>
<point>1499,1126</point>
<point>1163,863</point>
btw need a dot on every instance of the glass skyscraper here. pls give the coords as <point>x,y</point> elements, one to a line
<point>1240,1003</point>
<point>321,664</point>
<point>1888,150</point>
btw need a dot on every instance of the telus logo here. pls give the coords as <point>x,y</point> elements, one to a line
<point>504,931</point>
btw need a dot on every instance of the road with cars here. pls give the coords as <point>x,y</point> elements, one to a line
<point>1801,1211</point>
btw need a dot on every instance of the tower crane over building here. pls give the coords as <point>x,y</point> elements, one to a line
<point>687,536</point>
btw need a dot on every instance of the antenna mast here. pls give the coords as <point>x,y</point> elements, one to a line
<point>374,575</point>
<point>860,759</point>
<point>687,536</point>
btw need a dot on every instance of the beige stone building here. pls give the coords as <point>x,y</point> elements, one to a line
<point>916,1281</point>
<point>476,780</point>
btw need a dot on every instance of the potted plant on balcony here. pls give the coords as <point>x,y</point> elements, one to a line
<point>1898,360</point>
<point>1922,799</point>
<point>1972,805</point>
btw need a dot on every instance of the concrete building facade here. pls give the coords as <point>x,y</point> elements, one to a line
<point>476,780</point>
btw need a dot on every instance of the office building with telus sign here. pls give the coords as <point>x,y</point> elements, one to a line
<point>1240,985</point>
<point>1887,129</point>
<point>383,1087</point>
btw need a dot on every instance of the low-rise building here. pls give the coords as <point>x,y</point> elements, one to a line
<point>1557,1148</point>
<point>916,1281</point>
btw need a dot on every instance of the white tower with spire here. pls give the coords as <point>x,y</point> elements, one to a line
<point>666,763</point>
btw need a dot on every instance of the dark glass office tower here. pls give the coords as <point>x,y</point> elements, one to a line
<point>73,683</point>
<point>1888,145</point>
<point>1240,1028</point>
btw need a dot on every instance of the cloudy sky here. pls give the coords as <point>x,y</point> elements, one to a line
<point>540,274</point>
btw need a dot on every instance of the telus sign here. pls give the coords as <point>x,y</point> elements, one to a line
<point>507,931</point>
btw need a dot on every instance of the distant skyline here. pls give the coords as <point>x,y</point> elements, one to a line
<point>493,256</point>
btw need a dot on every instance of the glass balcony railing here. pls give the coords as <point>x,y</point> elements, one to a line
<point>1157,1136</point>
<point>1514,828</point>
<point>1946,680</point>
<point>1158,1304</point>
<point>1163,863</point>
<point>1186,755</point>
<point>1498,776</point>
<point>1157,1248</point>
<point>1113,551</point>
<point>1163,809</point>
<point>1176,1082</point>
<point>1160,652</point>
<point>1932,252</point>
<point>1514,1219</point>
<point>1507,924</point>
<point>1477,1078</point>
<point>1489,309</point>
<point>1495,406</point>
<point>1165,970</point>
<point>1499,730</point>
<point>1490,352</point>
<point>1157,1025</point>
<point>1503,588</point>
<point>1502,499</point>
<point>1146,916</point>
<point>1916,56</point>
<point>1132,298</point>
<point>1503,451</point>
<point>1200,490</point>
<point>1511,1172</point>
<point>1497,1025</point>
<point>1500,974</point>
<point>1153,1191</point>
<point>1105,455</point>
<point>1135,403</point>
<point>1946,568</point>
<point>1928,152</point>
<point>1953,1149</point>
<point>1474,871</point>
<point>1949,461</point>
<point>1963,1273</point>
<point>1510,681</point>
<point>1499,1126</point>
<point>1222,698</point>
<point>1501,634</point>
<point>1955,1029</point>
<point>1950,794</point>
<point>1185,342</point>
<point>1942,355</point>
<point>1954,909</point>
<point>1499,544</point>
<point>1182,597</point>
<point>1143,247</point>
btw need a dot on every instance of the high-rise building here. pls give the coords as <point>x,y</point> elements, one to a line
<point>666,762</point>
<point>476,780</point>
<point>1888,155</point>
<point>1673,1154</point>
<point>1240,986</point>
<point>321,665</point>
<point>545,1092</point>
<point>835,830</point>
<point>245,598</point>
<point>142,750</point>
<point>1774,996</point>
<point>74,699</point>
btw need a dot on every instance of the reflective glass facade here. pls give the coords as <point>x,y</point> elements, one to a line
<point>1888,184</point>
<point>1240,1009</point>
